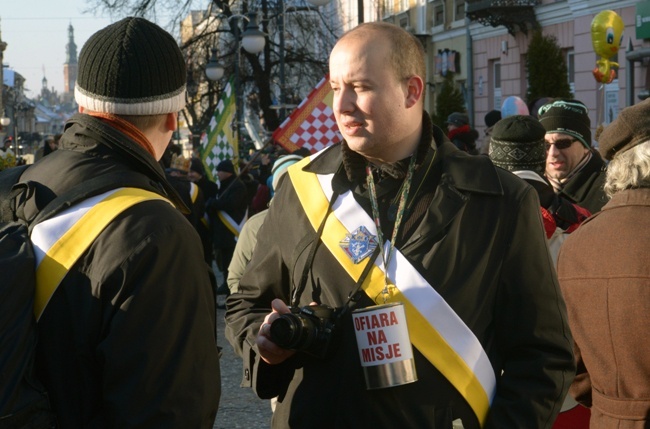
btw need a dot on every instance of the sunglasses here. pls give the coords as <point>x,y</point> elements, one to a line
<point>560,144</point>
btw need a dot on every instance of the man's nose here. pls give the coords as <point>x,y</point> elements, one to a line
<point>344,100</point>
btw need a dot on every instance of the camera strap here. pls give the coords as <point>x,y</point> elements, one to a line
<point>295,300</point>
<point>356,294</point>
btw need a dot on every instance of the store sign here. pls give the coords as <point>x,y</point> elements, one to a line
<point>643,20</point>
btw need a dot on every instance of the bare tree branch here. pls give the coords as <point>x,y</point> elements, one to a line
<point>309,37</point>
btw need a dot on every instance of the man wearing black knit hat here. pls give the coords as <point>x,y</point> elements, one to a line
<point>572,166</point>
<point>128,337</point>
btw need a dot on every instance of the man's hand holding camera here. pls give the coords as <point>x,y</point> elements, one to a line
<point>270,352</point>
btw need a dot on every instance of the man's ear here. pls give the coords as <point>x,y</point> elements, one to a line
<point>414,88</point>
<point>171,121</point>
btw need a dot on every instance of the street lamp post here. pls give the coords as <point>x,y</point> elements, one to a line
<point>13,111</point>
<point>214,69</point>
<point>4,121</point>
<point>253,41</point>
<point>283,97</point>
<point>280,12</point>
<point>192,91</point>
<point>22,107</point>
<point>238,99</point>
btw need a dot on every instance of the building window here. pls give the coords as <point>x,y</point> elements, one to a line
<point>496,84</point>
<point>386,8</point>
<point>571,70</point>
<point>459,10</point>
<point>438,15</point>
<point>404,21</point>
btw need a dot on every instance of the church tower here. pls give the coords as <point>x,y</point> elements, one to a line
<point>70,65</point>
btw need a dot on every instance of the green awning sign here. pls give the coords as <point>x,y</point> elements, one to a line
<point>643,20</point>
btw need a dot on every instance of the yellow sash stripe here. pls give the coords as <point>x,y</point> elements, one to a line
<point>423,336</point>
<point>65,252</point>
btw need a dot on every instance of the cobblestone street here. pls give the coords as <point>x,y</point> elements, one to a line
<point>239,407</point>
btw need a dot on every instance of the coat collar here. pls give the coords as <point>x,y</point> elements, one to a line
<point>629,197</point>
<point>464,172</point>
<point>580,183</point>
<point>95,136</point>
<point>639,197</point>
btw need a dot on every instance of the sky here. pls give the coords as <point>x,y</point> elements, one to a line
<point>36,33</point>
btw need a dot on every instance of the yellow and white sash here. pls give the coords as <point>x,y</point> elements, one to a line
<point>435,329</point>
<point>61,240</point>
<point>231,224</point>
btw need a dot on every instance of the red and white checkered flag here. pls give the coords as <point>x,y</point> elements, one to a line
<point>312,124</point>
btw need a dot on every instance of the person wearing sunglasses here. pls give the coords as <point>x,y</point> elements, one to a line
<point>573,167</point>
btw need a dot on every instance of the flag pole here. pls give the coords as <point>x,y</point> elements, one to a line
<point>246,167</point>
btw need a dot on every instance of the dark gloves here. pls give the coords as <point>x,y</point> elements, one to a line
<point>568,216</point>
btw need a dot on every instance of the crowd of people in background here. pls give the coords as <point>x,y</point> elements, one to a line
<point>224,208</point>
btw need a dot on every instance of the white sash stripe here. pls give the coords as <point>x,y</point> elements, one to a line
<point>194,192</point>
<point>231,221</point>
<point>48,232</point>
<point>418,291</point>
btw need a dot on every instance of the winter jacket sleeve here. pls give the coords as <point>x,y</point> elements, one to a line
<point>266,277</point>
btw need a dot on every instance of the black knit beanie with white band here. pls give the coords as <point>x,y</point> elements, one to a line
<point>131,67</point>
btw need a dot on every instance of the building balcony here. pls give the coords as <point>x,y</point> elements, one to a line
<point>515,15</point>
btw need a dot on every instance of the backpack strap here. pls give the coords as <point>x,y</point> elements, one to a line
<point>69,245</point>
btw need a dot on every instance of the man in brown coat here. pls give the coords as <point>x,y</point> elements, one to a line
<point>605,277</point>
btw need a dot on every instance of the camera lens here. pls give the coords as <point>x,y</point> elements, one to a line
<point>293,332</point>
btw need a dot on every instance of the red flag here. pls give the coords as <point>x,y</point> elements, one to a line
<point>312,125</point>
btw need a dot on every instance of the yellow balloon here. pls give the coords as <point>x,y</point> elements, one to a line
<point>607,37</point>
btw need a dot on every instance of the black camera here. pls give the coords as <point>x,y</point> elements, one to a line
<point>309,329</point>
